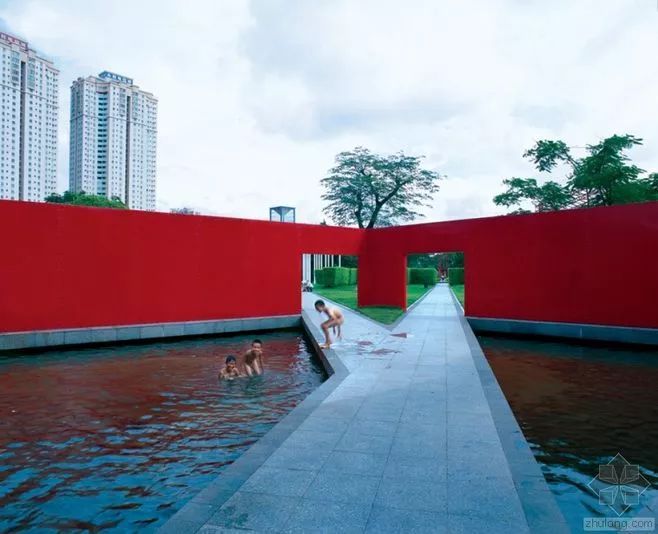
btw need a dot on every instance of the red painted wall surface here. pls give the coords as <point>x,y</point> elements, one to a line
<point>595,266</point>
<point>69,267</point>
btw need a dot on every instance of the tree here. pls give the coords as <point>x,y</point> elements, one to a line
<point>371,190</point>
<point>550,196</point>
<point>83,199</point>
<point>602,178</point>
<point>437,260</point>
<point>184,211</point>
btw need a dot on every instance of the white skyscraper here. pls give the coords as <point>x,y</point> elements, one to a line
<point>113,139</point>
<point>28,122</point>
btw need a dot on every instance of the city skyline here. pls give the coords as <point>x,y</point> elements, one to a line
<point>254,106</point>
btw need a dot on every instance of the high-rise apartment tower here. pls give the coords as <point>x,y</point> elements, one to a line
<point>113,139</point>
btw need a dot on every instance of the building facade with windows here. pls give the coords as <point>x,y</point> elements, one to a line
<point>28,122</point>
<point>113,140</point>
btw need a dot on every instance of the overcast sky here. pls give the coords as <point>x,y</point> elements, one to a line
<point>256,98</point>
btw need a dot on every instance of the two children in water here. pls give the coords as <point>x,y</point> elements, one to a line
<point>252,363</point>
<point>253,358</point>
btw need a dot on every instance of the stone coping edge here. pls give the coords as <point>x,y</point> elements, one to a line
<point>539,505</point>
<point>193,515</point>
<point>114,334</point>
<point>577,331</point>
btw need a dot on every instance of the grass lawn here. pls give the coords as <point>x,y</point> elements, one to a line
<point>458,290</point>
<point>346,295</point>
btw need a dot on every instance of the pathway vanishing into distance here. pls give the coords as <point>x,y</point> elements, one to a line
<point>415,437</point>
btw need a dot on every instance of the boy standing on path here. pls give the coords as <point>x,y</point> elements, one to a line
<point>335,320</point>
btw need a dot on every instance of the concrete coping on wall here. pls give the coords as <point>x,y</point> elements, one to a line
<point>114,334</point>
<point>573,331</point>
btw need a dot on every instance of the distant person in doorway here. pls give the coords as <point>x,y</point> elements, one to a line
<point>335,320</point>
<point>253,358</point>
<point>230,369</point>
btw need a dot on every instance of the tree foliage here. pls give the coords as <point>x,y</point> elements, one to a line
<point>440,260</point>
<point>550,196</point>
<point>83,199</point>
<point>371,190</point>
<point>604,177</point>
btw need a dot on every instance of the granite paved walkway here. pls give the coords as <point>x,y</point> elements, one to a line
<point>405,443</point>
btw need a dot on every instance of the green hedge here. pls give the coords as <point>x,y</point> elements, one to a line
<point>422,275</point>
<point>320,277</point>
<point>456,276</point>
<point>336,276</point>
<point>354,277</point>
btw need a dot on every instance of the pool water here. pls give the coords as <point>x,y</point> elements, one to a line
<point>579,406</point>
<point>121,437</point>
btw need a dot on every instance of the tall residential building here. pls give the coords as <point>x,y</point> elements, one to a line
<point>113,139</point>
<point>28,122</point>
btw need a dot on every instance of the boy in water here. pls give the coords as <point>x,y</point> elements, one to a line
<point>230,369</point>
<point>253,358</point>
<point>335,320</point>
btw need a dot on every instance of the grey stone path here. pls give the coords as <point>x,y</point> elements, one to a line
<point>405,443</point>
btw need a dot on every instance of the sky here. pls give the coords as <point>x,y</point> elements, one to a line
<point>257,97</point>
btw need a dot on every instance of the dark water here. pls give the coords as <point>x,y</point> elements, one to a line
<point>578,407</point>
<point>120,438</point>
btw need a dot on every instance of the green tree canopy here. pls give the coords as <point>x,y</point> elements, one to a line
<point>83,199</point>
<point>371,190</point>
<point>550,196</point>
<point>605,176</point>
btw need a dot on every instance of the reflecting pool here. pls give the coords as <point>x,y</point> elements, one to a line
<point>578,407</point>
<point>121,437</point>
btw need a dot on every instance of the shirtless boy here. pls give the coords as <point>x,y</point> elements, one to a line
<point>335,320</point>
<point>230,369</point>
<point>253,358</point>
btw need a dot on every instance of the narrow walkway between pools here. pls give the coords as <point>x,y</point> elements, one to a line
<point>415,438</point>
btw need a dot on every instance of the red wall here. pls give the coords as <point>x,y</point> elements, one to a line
<point>595,266</point>
<point>67,267</point>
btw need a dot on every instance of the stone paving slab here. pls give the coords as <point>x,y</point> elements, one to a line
<point>413,436</point>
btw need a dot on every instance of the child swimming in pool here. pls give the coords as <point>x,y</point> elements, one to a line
<point>335,320</point>
<point>253,358</point>
<point>230,369</point>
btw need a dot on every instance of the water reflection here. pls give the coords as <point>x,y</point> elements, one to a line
<point>121,437</point>
<point>579,406</point>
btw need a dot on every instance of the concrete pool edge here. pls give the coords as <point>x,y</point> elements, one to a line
<point>566,331</point>
<point>196,512</point>
<point>147,331</point>
<point>539,504</point>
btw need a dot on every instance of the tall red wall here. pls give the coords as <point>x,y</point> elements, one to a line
<point>69,267</point>
<point>594,266</point>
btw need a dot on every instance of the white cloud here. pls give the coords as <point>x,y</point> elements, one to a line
<point>256,98</point>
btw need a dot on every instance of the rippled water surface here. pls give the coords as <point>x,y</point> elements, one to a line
<point>120,438</point>
<point>578,407</point>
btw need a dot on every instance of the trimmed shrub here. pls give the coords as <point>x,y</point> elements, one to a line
<point>425,275</point>
<point>456,276</point>
<point>354,278</point>
<point>336,276</point>
<point>319,277</point>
